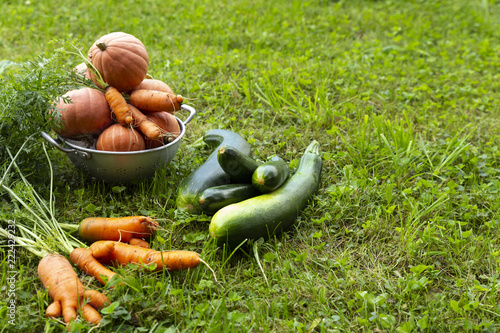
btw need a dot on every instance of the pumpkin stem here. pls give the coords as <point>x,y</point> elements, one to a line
<point>101,45</point>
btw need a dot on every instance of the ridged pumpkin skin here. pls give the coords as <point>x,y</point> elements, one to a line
<point>121,59</point>
<point>169,125</point>
<point>120,138</point>
<point>87,112</point>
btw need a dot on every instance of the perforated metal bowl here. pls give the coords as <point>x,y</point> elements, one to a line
<point>120,167</point>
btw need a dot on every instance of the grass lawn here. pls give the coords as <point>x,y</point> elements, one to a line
<point>403,234</point>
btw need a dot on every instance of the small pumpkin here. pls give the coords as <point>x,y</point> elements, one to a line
<point>169,126</point>
<point>121,59</point>
<point>120,138</point>
<point>86,111</point>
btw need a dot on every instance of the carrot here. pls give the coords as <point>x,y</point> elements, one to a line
<point>102,249</point>
<point>139,242</point>
<point>91,315</point>
<point>95,298</point>
<point>118,105</point>
<point>53,310</point>
<point>57,274</point>
<point>83,258</point>
<point>123,254</point>
<point>154,100</point>
<point>123,229</point>
<point>146,126</point>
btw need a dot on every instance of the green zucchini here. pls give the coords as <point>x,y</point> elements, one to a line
<point>270,175</point>
<point>236,164</point>
<point>216,197</point>
<point>209,173</point>
<point>272,213</point>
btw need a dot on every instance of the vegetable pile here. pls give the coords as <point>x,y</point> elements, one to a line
<point>119,106</point>
<point>116,241</point>
<point>56,273</point>
<point>248,199</point>
<point>274,211</point>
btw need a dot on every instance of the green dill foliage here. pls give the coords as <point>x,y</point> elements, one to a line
<point>28,93</point>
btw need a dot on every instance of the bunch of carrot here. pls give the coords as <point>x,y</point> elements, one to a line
<point>120,241</point>
<point>115,241</point>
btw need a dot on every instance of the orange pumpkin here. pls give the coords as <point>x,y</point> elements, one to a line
<point>120,138</point>
<point>87,112</point>
<point>121,59</point>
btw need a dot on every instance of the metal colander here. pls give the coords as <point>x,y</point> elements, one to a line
<point>120,167</point>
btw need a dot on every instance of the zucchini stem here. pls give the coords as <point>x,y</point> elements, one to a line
<point>313,148</point>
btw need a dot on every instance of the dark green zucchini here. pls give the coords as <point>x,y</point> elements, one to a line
<point>269,214</point>
<point>270,175</point>
<point>236,164</point>
<point>209,173</point>
<point>216,197</point>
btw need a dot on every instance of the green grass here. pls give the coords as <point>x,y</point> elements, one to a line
<point>403,234</point>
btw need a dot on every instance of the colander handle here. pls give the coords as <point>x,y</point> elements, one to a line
<point>56,144</point>
<point>191,110</point>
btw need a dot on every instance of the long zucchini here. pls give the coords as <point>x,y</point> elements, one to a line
<point>271,213</point>
<point>209,173</point>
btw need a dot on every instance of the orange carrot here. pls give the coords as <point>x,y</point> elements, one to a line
<point>139,242</point>
<point>123,254</point>
<point>102,249</point>
<point>91,315</point>
<point>95,299</point>
<point>53,310</point>
<point>83,258</point>
<point>146,126</point>
<point>57,274</point>
<point>118,105</point>
<point>92,229</point>
<point>154,101</point>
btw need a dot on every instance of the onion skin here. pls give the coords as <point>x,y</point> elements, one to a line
<point>120,138</point>
<point>169,126</point>
<point>154,84</point>
<point>81,69</point>
<point>87,113</point>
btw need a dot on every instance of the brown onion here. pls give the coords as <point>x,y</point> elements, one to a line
<point>169,126</point>
<point>120,138</point>
<point>154,84</point>
<point>81,69</point>
<point>87,112</point>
